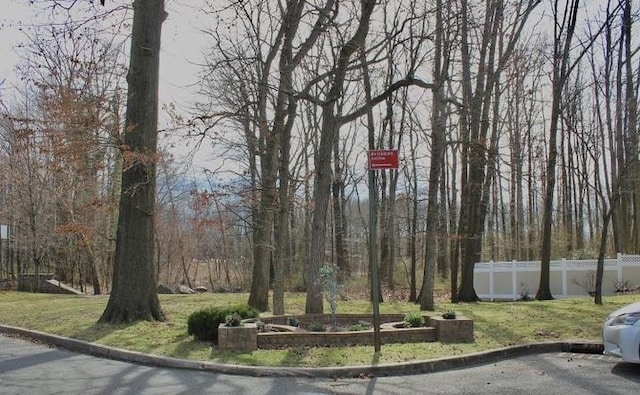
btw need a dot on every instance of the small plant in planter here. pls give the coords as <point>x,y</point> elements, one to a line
<point>316,327</point>
<point>293,321</point>
<point>449,315</point>
<point>414,320</point>
<point>328,275</point>
<point>235,334</point>
<point>233,319</point>
<point>360,326</point>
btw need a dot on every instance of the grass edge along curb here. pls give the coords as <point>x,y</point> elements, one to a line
<point>394,369</point>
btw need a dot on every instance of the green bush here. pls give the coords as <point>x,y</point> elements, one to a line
<point>414,320</point>
<point>203,324</point>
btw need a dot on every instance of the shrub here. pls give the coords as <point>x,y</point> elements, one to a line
<point>244,310</point>
<point>524,293</point>
<point>414,320</point>
<point>449,315</point>
<point>203,324</point>
<point>316,327</point>
<point>360,326</point>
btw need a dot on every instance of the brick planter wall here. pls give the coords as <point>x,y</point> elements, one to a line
<point>246,338</point>
<point>238,338</point>
<point>455,330</point>
<point>268,340</point>
<point>341,319</point>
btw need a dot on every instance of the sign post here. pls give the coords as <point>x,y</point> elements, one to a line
<point>378,160</point>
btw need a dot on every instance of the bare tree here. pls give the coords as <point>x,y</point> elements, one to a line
<point>72,71</point>
<point>501,18</point>
<point>322,182</point>
<point>564,29</point>
<point>565,22</point>
<point>441,64</point>
<point>267,111</point>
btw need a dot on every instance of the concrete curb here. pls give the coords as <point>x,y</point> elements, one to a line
<point>397,369</point>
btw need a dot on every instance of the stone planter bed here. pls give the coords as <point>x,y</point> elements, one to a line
<point>238,338</point>
<point>282,336</point>
<point>458,330</point>
<point>271,340</point>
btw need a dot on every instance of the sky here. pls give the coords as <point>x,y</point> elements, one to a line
<point>181,41</point>
<point>9,37</point>
<point>182,45</point>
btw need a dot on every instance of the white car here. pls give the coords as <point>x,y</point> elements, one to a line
<point>621,333</point>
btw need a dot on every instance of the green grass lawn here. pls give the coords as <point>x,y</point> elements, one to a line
<point>497,324</point>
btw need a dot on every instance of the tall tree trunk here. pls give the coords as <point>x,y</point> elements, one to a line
<point>454,245</point>
<point>493,52</point>
<point>632,121</point>
<point>383,213</point>
<point>342,257</point>
<point>373,188</point>
<point>413,220</point>
<point>322,182</point>
<point>114,190</point>
<point>624,205</point>
<point>390,230</point>
<point>388,203</point>
<point>444,266</point>
<point>438,116</point>
<point>601,254</point>
<point>474,160</point>
<point>263,227</point>
<point>561,71</point>
<point>133,294</point>
<point>283,253</point>
<point>274,144</point>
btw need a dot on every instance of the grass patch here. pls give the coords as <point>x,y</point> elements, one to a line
<point>496,324</point>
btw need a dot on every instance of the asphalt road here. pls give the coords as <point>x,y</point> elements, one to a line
<point>28,368</point>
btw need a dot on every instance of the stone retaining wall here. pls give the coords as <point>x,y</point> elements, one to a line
<point>31,283</point>
<point>44,283</point>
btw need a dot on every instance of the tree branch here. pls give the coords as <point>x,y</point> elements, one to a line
<point>408,81</point>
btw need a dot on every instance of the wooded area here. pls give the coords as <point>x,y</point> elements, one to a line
<point>516,123</point>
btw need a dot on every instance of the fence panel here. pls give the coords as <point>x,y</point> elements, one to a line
<point>568,278</point>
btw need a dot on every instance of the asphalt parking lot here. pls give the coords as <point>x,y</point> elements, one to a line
<point>29,368</point>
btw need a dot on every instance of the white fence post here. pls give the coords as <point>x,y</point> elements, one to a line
<point>619,264</point>
<point>564,278</point>
<point>514,279</point>
<point>491,290</point>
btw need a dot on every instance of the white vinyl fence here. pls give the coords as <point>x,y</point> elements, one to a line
<point>568,278</point>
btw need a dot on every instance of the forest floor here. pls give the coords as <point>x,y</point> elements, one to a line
<point>496,325</point>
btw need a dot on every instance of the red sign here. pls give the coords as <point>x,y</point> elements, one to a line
<point>382,159</point>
